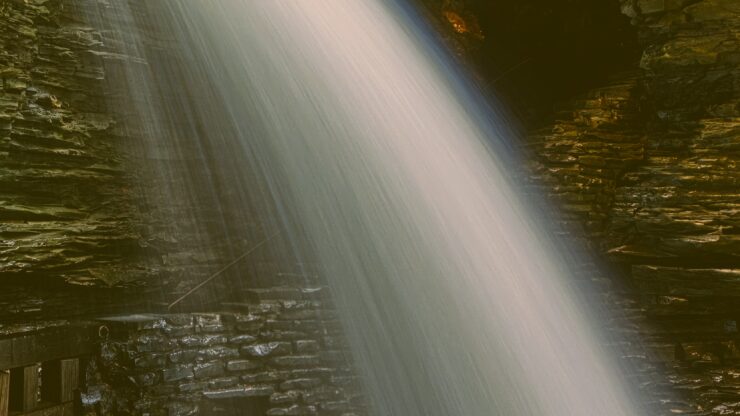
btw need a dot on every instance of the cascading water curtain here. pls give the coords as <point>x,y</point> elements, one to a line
<point>454,300</point>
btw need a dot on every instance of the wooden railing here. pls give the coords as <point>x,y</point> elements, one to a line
<point>40,373</point>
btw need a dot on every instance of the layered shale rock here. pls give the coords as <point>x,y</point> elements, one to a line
<point>75,215</point>
<point>681,205</point>
<point>648,166</point>
<point>276,356</point>
<point>65,208</point>
<point>582,155</point>
<point>74,201</point>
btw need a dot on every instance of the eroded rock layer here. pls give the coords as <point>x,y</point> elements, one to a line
<point>648,166</point>
<point>65,207</point>
<point>279,355</point>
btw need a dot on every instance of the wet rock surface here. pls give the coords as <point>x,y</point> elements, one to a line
<point>66,208</point>
<point>76,218</point>
<point>84,228</point>
<point>646,167</point>
<point>172,364</point>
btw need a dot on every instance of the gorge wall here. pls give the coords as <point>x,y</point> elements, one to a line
<point>83,227</point>
<point>643,163</point>
<point>66,209</point>
<point>86,233</point>
<point>647,167</point>
<point>281,355</point>
<point>71,224</point>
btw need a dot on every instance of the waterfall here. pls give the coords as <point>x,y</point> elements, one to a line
<point>388,170</point>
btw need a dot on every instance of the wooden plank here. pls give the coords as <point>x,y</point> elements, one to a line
<point>4,392</point>
<point>45,345</point>
<point>24,387</point>
<point>59,380</point>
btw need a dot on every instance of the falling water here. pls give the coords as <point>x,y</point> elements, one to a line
<point>384,165</point>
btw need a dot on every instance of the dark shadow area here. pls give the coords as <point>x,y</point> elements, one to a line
<point>534,53</point>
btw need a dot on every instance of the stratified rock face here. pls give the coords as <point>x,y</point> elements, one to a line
<point>648,166</point>
<point>64,202</point>
<point>271,356</point>
<point>584,153</point>
<point>74,205</point>
<point>681,205</point>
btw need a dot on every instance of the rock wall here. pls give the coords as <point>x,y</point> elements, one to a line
<point>74,216</point>
<point>647,166</point>
<point>679,206</point>
<point>275,356</point>
<point>65,208</point>
<point>84,228</point>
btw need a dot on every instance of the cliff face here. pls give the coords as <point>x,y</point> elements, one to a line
<point>79,212</point>
<point>648,166</point>
<point>649,162</point>
<point>679,206</point>
<point>65,207</point>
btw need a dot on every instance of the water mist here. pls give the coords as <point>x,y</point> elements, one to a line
<point>384,167</point>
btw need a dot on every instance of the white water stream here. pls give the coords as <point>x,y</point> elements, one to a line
<point>454,301</point>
